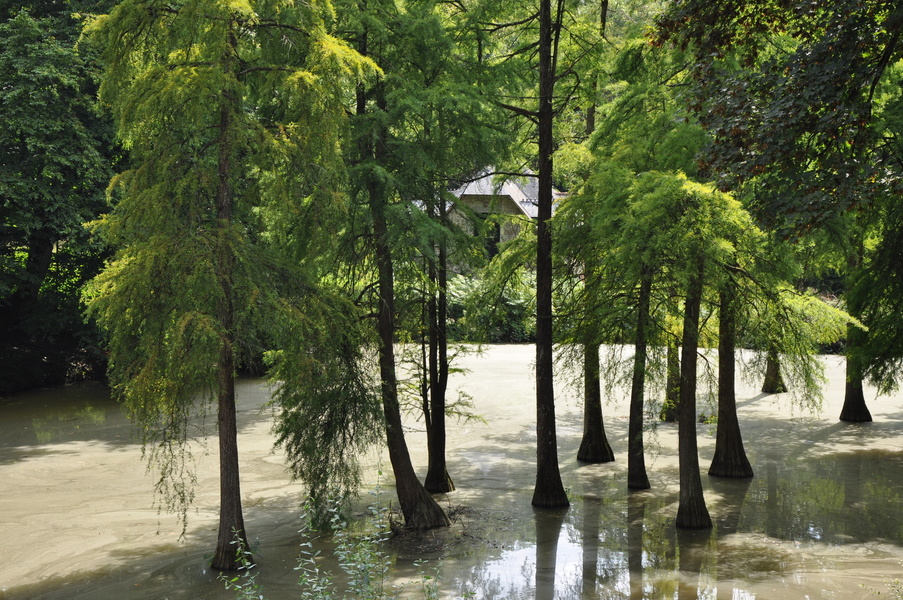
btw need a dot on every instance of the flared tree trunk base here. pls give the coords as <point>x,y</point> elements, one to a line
<point>731,464</point>
<point>595,449</point>
<point>550,499</point>
<point>639,481</point>
<point>854,407</point>
<point>440,483</point>
<point>774,382</point>
<point>422,512</point>
<point>549,491</point>
<point>693,515</point>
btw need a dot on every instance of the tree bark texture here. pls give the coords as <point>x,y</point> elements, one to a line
<point>672,382</point>
<point>730,458</point>
<point>549,490</point>
<point>774,382</point>
<point>691,511</point>
<point>594,447</point>
<point>231,521</point>
<point>437,478</point>
<point>420,510</point>
<point>854,408</point>
<point>637,479</point>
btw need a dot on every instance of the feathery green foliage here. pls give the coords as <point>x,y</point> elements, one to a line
<point>214,100</point>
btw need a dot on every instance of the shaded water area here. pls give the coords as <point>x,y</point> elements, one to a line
<point>822,518</point>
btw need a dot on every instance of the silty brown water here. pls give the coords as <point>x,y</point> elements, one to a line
<point>821,519</point>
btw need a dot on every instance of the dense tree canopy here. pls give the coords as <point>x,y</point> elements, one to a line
<point>799,99</point>
<point>56,154</point>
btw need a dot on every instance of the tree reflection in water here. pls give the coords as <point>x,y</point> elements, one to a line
<point>613,544</point>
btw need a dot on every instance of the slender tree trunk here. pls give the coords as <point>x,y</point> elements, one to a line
<point>672,375</point>
<point>420,510</point>
<point>437,477</point>
<point>594,447</point>
<point>231,521</point>
<point>672,381</point>
<point>418,507</point>
<point>730,457</point>
<point>691,511</point>
<point>854,409</point>
<point>549,490</point>
<point>636,461</point>
<point>774,382</point>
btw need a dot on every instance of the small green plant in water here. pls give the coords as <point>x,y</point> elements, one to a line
<point>244,583</point>
<point>360,554</point>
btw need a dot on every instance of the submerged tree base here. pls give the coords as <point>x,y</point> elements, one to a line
<point>441,484</point>
<point>735,466</point>
<point>595,449</point>
<point>423,512</point>
<point>549,491</point>
<point>854,408</point>
<point>693,515</point>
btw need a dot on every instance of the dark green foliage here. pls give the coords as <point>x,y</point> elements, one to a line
<point>480,310</point>
<point>328,397</point>
<point>788,91</point>
<point>55,161</point>
<point>802,100</point>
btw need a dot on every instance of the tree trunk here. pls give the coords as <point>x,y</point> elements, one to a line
<point>420,510</point>
<point>548,491</point>
<point>636,461</point>
<point>854,407</point>
<point>774,382</point>
<point>594,447</point>
<point>418,507</point>
<point>437,477</point>
<point>231,520</point>
<point>691,511</point>
<point>730,457</point>
<point>672,381</point>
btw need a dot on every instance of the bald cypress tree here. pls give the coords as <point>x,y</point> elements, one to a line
<point>212,99</point>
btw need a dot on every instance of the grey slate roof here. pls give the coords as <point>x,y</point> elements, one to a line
<point>522,191</point>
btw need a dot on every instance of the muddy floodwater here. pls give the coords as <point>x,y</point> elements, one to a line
<point>821,519</point>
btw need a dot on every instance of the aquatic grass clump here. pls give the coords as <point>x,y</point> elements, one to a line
<point>359,550</point>
<point>244,581</point>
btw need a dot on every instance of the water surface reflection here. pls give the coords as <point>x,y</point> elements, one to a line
<point>809,514</point>
<point>820,519</point>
